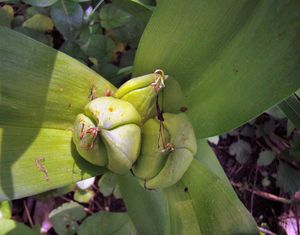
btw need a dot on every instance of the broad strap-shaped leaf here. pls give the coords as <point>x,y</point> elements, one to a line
<point>35,160</point>
<point>41,92</point>
<point>42,87</point>
<point>206,156</point>
<point>291,108</point>
<point>202,203</point>
<point>233,59</point>
<point>147,209</point>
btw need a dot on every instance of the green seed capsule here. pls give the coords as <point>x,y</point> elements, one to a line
<point>88,146</point>
<point>141,92</point>
<point>152,159</point>
<point>163,166</point>
<point>109,135</point>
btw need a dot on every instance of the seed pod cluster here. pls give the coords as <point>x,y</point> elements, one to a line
<point>109,134</point>
<point>130,131</point>
<point>142,91</point>
<point>161,164</point>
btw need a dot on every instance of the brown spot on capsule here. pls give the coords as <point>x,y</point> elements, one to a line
<point>183,109</point>
<point>110,109</point>
<point>108,93</point>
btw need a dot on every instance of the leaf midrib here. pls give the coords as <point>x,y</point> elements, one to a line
<point>67,14</point>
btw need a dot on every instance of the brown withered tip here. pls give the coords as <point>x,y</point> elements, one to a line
<point>108,93</point>
<point>183,109</point>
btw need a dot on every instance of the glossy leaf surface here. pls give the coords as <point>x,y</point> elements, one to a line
<point>42,90</point>
<point>140,201</point>
<point>234,60</point>
<point>291,108</point>
<point>202,203</point>
<point>195,205</point>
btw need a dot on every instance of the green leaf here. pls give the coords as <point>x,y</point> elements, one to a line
<point>35,34</point>
<point>5,210</point>
<point>106,69</point>
<point>290,127</point>
<point>135,8</point>
<point>48,195</point>
<point>5,20</point>
<point>242,151</point>
<point>74,50</point>
<point>265,158</point>
<point>291,107</point>
<point>117,193</point>
<point>39,22</point>
<point>200,201</point>
<point>234,60</point>
<point>9,10</point>
<point>276,112</point>
<point>31,11</point>
<point>265,182</point>
<point>10,1</point>
<point>42,87</point>
<point>288,178</point>
<point>99,47</point>
<point>104,223</point>
<point>68,18</point>
<point>18,21</point>
<point>130,33</point>
<point>83,196</point>
<point>40,3</point>
<point>14,228</point>
<point>25,152</point>
<point>140,202</point>
<point>107,183</point>
<point>207,157</point>
<point>41,92</point>
<point>293,153</point>
<point>195,205</point>
<point>64,218</point>
<point>80,0</point>
<point>112,17</point>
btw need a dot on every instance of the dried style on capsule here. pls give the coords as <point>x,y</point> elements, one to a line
<point>160,168</point>
<point>130,131</point>
<point>108,134</point>
<point>142,91</point>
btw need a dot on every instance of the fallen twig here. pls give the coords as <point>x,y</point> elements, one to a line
<point>28,214</point>
<point>266,231</point>
<point>266,195</point>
